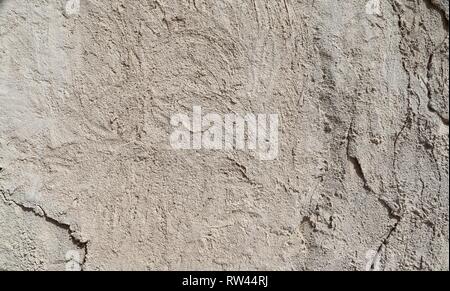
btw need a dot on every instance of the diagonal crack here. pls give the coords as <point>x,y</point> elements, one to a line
<point>242,170</point>
<point>355,161</point>
<point>40,212</point>
<point>384,243</point>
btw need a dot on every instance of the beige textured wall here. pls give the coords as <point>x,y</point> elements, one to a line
<point>88,179</point>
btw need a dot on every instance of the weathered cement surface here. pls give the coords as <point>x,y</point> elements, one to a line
<point>85,163</point>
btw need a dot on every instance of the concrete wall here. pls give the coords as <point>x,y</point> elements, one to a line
<point>89,180</point>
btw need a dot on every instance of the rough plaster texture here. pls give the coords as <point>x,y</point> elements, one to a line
<point>361,181</point>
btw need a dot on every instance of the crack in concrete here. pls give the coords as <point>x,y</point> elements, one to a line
<point>384,243</point>
<point>355,161</point>
<point>37,210</point>
<point>428,86</point>
<point>407,123</point>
